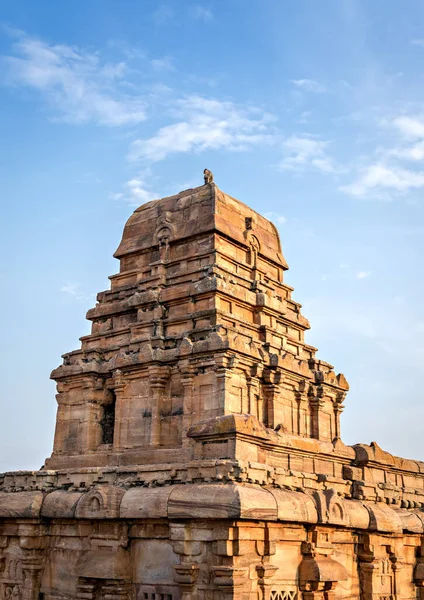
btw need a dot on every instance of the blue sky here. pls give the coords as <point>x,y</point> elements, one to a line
<point>310,112</point>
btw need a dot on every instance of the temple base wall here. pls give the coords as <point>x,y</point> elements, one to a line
<point>211,541</point>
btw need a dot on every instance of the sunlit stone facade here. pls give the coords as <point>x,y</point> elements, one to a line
<point>197,451</point>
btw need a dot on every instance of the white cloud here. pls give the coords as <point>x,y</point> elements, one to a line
<point>378,178</point>
<point>305,152</point>
<point>417,42</point>
<point>74,289</point>
<point>116,196</point>
<point>275,218</point>
<point>363,274</point>
<point>413,153</point>
<point>410,127</point>
<point>304,117</point>
<point>136,191</point>
<point>309,85</point>
<point>202,13</point>
<point>205,125</point>
<point>77,84</point>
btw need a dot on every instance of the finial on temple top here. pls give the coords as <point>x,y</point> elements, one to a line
<point>207,176</point>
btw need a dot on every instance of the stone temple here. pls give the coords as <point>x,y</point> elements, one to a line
<point>197,452</point>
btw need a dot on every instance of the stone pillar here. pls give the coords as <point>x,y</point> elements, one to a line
<point>186,572</point>
<point>338,409</point>
<point>366,568</point>
<point>120,430</point>
<point>158,378</point>
<point>316,404</point>
<point>92,393</point>
<point>229,579</point>
<point>185,575</point>
<point>271,390</point>
<point>253,397</point>
<point>223,377</point>
<point>187,383</point>
<point>32,568</point>
<point>265,573</point>
<point>62,416</point>
<point>302,413</point>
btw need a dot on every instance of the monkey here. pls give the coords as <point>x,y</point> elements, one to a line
<point>207,176</point>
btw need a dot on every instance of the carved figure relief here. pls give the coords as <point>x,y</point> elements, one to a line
<point>12,592</point>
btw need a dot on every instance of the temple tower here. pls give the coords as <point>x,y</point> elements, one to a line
<point>198,324</point>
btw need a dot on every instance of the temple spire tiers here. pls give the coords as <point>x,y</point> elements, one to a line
<point>198,451</point>
<point>200,297</point>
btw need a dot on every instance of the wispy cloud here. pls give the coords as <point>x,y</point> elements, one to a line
<point>363,274</point>
<point>378,179</point>
<point>73,288</point>
<point>135,191</point>
<point>417,42</point>
<point>305,152</point>
<point>387,172</point>
<point>304,117</point>
<point>309,85</point>
<point>163,64</point>
<point>202,13</point>
<point>205,124</point>
<point>76,83</point>
<point>275,218</point>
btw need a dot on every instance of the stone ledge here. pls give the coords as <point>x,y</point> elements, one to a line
<point>211,501</point>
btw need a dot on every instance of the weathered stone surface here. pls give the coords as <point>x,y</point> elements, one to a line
<point>197,450</point>
<point>20,504</point>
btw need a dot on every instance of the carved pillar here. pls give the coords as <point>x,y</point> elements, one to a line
<point>366,568</point>
<point>253,397</point>
<point>338,409</point>
<point>187,383</point>
<point>61,417</point>
<point>265,548</point>
<point>121,424</point>
<point>316,404</point>
<point>93,390</point>
<point>378,574</point>
<point>302,424</point>
<point>185,575</point>
<point>271,391</point>
<point>229,579</point>
<point>158,378</point>
<point>32,568</point>
<point>223,378</point>
<point>265,573</point>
